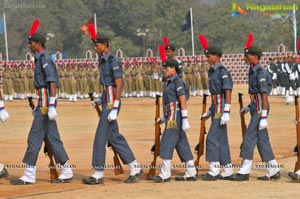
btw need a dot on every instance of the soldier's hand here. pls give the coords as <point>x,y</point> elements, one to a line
<point>52,114</point>
<point>245,109</point>
<point>225,118</point>
<point>206,115</point>
<point>112,115</point>
<point>263,124</point>
<point>185,125</point>
<point>161,120</point>
<point>96,102</point>
<point>3,113</point>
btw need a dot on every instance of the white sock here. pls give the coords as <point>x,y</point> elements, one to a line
<point>134,168</point>
<point>65,171</point>
<point>246,167</point>
<point>98,174</point>
<point>165,171</point>
<point>228,170</point>
<point>272,168</point>
<point>214,168</point>
<point>29,174</point>
<point>190,169</point>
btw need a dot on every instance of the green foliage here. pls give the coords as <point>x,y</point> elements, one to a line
<point>120,20</point>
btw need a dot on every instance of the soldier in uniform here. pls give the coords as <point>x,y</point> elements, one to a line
<point>44,126</point>
<point>272,72</point>
<point>7,84</point>
<point>176,121</point>
<point>260,84</point>
<point>220,87</point>
<point>108,131</point>
<point>3,117</point>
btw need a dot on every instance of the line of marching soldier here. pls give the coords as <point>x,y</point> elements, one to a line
<point>285,73</point>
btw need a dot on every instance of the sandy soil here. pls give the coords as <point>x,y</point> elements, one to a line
<point>77,124</point>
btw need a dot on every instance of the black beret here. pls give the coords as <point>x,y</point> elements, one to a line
<point>298,51</point>
<point>171,63</point>
<point>170,47</point>
<point>37,37</point>
<point>101,39</point>
<point>213,50</point>
<point>253,50</point>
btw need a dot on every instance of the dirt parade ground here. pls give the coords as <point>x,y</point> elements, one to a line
<point>77,124</point>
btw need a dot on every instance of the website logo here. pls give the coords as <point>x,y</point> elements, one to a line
<point>237,10</point>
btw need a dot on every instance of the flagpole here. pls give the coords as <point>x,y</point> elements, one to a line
<point>192,32</point>
<point>95,21</point>
<point>295,27</point>
<point>5,35</point>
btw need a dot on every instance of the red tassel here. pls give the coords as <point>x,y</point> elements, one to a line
<point>203,41</point>
<point>166,41</point>
<point>162,53</point>
<point>298,43</point>
<point>34,27</point>
<point>249,41</point>
<point>92,31</point>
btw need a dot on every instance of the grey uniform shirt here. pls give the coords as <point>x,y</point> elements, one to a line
<point>110,69</point>
<point>259,80</point>
<point>219,79</point>
<point>45,71</point>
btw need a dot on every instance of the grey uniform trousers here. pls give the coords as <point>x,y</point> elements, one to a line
<point>175,139</point>
<point>253,136</point>
<point>109,132</point>
<point>217,147</point>
<point>43,128</point>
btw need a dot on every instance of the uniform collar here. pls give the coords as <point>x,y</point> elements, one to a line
<point>216,66</point>
<point>172,78</point>
<point>105,55</point>
<point>255,67</point>
<point>38,55</point>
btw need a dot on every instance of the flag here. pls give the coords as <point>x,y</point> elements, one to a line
<point>2,25</point>
<point>85,28</point>
<point>187,24</point>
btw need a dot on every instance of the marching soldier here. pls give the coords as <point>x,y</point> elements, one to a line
<point>260,84</point>
<point>220,87</point>
<point>272,72</point>
<point>108,131</point>
<point>7,84</point>
<point>44,125</point>
<point>176,121</point>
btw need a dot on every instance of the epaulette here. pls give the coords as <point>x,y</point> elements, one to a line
<point>221,68</point>
<point>111,58</point>
<point>260,70</point>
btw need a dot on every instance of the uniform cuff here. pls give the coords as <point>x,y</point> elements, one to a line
<point>227,108</point>
<point>1,104</point>
<point>52,101</point>
<point>264,113</point>
<point>184,114</point>
<point>116,104</point>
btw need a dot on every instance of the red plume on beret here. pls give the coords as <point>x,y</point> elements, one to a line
<point>249,41</point>
<point>34,27</point>
<point>162,53</point>
<point>298,44</point>
<point>203,41</point>
<point>166,41</point>
<point>92,32</point>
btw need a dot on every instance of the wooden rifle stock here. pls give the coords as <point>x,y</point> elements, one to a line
<point>157,139</point>
<point>297,164</point>
<point>242,116</point>
<point>53,171</point>
<point>200,146</point>
<point>117,164</point>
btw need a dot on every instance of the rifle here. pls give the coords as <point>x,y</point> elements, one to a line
<point>47,149</point>
<point>157,139</point>
<point>242,116</point>
<point>117,164</point>
<point>200,146</point>
<point>297,164</point>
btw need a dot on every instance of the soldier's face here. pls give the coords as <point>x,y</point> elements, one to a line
<point>169,53</point>
<point>250,59</point>
<point>212,59</point>
<point>168,71</point>
<point>33,46</point>
<point>99,48</point>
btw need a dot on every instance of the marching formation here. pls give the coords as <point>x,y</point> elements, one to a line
<point>174,82</point>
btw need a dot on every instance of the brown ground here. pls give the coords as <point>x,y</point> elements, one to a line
<point>77,123</point>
